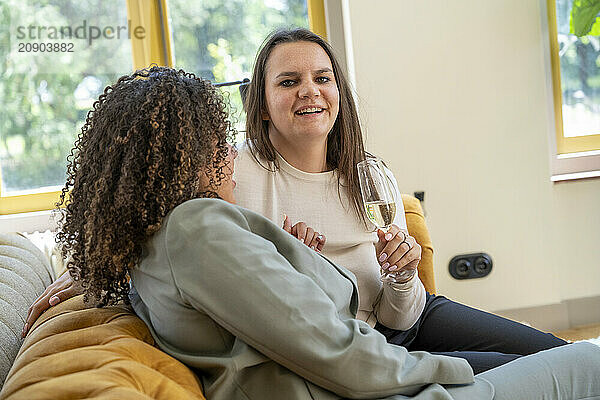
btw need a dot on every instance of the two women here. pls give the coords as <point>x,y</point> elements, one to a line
<point>231,294</point>
<point>256,312</point>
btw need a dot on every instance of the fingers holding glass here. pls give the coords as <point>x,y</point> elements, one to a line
<point>396,247</point>
<point>404,257</point>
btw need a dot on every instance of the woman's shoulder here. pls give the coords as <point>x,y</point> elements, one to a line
<point>201,206</point>
<point>247,149</point>
<point>249,160</point>
<point>201,215</point>
<point>243,148</point>
<point>206,222</point>
<point>211,214</point>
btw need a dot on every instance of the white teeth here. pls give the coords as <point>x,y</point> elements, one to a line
<point>309,110</point>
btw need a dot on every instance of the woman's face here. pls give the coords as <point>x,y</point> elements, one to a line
<point>301,93</point>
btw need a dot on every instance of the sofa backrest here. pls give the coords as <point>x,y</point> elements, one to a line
<point>24,274</point>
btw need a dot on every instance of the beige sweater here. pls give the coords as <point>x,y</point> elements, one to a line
<point>313,198</point>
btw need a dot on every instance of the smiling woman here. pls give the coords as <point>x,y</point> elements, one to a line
<point>318,83</point>
<point>302,102</point>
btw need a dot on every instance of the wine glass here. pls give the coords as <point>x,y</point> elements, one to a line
<point>379,198</point>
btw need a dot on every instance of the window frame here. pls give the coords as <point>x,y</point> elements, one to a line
<point>155,48</point>
<point>570,157</point>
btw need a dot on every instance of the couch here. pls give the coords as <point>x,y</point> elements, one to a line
<point>76,351</point>
<point>24,274</point>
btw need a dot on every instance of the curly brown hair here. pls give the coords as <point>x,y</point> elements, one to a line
<point>141,152</point>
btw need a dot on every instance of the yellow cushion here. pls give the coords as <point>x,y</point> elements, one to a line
<point>415,221</point>
<point>74,351</point>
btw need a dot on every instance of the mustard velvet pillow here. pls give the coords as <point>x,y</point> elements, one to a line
<point>74,351</point>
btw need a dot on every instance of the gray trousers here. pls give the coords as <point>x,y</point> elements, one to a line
<point>566,372</point>
<point>570,372</point>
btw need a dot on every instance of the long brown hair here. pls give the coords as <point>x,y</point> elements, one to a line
<point>344,143</point>
<point>141,152</point>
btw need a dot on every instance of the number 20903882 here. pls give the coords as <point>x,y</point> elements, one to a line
<point>45,47</point>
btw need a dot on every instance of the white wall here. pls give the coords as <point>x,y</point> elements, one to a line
<point>453,96</point>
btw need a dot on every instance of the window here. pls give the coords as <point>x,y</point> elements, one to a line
<point>576,96</point>
<point>56,59</point>
<point>58,55</point>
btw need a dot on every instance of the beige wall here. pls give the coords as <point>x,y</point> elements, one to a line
<point>453,96</point>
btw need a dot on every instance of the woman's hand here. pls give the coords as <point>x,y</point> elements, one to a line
<point>397,251</point>
<point>60,290</point>
<point>305,234</point>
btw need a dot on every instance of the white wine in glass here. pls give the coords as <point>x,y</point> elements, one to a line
<point>377,193</point>
<point>379,198</point>
<point>381,213</point>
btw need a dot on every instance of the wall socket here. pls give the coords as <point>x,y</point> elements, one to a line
<point>470,266</point>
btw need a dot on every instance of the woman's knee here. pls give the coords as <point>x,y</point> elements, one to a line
<point>563,372</point>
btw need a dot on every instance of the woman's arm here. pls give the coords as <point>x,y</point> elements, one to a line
<point>400,308</point>
<point>60,290</point>
<point>277,295</point>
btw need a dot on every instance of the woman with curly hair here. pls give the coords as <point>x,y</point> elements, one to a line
<point>141,152</point>
<point>258,314</point>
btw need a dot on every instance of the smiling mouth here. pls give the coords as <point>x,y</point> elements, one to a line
<point>307,111</point>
